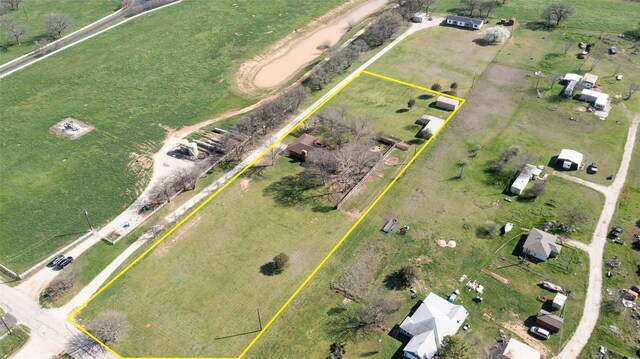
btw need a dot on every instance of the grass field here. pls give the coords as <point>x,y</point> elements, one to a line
<point>10,344</point>
<point>31,13</point>
<point>627,215</point>
<point>606,15</point>
<point>127,83</point>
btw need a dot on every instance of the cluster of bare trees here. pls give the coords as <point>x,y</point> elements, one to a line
<point>143,6</point>
<point>383,28</point>
<point>479,8</point>
<point>406,8</point>
<point>556,13</point>
<point>272,113</point>
<point>182,179</point>
<point>351,139</point>
<point>336,64</point>
<point>54,24</point>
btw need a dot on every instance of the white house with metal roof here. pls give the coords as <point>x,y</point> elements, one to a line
<point>599,99</point>
<point>466,22</point>
<point>569,159</point>
<point>434,319</point>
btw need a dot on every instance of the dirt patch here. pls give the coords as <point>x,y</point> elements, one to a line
<point>495,276</point>
<point>244,183</point>
<point>521,331</point>
<point>286,57</point>
<point>391,161</point>
<point>71,128</point>
<point>353,281</point>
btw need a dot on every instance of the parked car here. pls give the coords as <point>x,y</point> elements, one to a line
<point>65,262</point>
<point>616,231</point>
<point>618,241</point>
<point>613,50</point>
<point>539,332</point>
<point>593,168</point>
<point>57,259</point>
<point>583,55</point>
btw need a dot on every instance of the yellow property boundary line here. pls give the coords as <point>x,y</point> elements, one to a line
<point>71,317</point>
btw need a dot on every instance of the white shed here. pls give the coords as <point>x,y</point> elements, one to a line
<point>589,80</point>
<point>559,300</point>
<point>598,99</point>
<point>569,159</point>
<point>419,17</point>
<point>447,103</point>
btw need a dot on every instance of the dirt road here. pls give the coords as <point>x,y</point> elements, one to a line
<point>283,64</point>
<point>596,249</point>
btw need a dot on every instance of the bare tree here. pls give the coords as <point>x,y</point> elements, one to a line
<point>573,216</point>
<point>594,63</point>
<point>63,283</point>
<point>631,89</point>
<point>185,178</point>
<point>13,27</point>
<point>55,23</point>
<point>364,321</point>
<point>462,163</point>
<point>567,45</point>
<point>496,35</point>
<point>427,4</point>
<point>381,30</point>
<point>491,228</point>
<point>13,4</point>
<point>354,162</point>
<point>402,278</point>
<point>488,7</point>
<point>109,326</point>
<point>538,188</point>
<point>320,166</point>
<point>557,12</point>
<point>470,6</point>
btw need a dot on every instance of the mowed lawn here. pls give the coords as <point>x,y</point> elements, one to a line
<point>172,67</point>
<point>31,12</point>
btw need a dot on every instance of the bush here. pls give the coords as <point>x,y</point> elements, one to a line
<point>436,87</point>
<point>280,263</point>
<point>496,35</point>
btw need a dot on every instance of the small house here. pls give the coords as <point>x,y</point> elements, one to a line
<point>589,80</point>
<point>548,321</point>
<point>464,22</point>
<point>419,17</point>
<point>447,103</point>
<point>430,125</point>
<point>569,160</point>
<point>571,77</point>
<point>518,350</point>
<point>434,319</point>
<point>527,173</point>
<point>304,146</point>
<point>558,301</point>
<point>599,99</point>
<point>541,245</point>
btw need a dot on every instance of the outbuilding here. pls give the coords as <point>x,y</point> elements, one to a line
<point>558,301</point>
<point>569,160</point>
<point>599,99</point>
<point>419,17</point>
<point>447,103</point>
<point>430,125</point>
<point>589,80</point>
<point>519,350</point>
<point>465,22</point>
<point>548,321</point>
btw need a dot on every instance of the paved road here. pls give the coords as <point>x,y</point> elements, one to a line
<point>52,333</point>
<point>596,249</point>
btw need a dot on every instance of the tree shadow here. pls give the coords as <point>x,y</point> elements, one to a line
<point>402,110</point>
<point>268,269</point>
<point>539,26</point>
<point>425,96</point>
<point>336,311</point>
<point>394,281</point>
<point>292,191</point>
<point>481,42</point>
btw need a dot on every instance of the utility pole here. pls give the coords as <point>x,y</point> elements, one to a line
<point>86,215</point>
<point>259,320</point>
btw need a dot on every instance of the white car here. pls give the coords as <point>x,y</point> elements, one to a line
<point>540,332</point>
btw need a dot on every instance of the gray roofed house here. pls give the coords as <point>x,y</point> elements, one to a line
<point>548,321</point>
<point>541,245</point>
<point>463,21</point>
<point>434,319</point>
